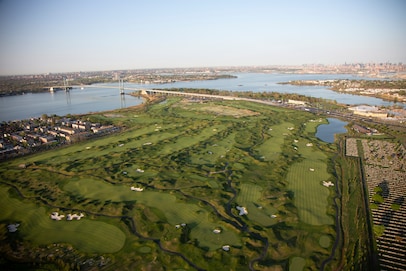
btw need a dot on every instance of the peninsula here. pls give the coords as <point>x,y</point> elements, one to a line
<point>391,90</point>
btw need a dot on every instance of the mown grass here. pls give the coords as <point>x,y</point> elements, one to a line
<point>271,148</point>
<point>213,151</point>
<point>175,211</point>
<point>305,181</point>
<point>250,196</point>
<point>37,226</point>
<point>194,161</point>
<point>297,263</point>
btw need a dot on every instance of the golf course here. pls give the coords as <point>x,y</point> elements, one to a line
<point>185,184</point>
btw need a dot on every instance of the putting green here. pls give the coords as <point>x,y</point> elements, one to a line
<point>37,227</point>
<point>297,264</point>
<point>325,241</point>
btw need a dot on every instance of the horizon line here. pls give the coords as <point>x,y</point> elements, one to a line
<point>400,63</point>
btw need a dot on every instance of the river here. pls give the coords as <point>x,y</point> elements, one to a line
<point>94,99</point>
<point>76,101</point>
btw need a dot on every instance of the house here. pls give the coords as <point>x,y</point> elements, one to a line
<point>17,138</point>
<point>66,130</point>
<point>46,139</point>
<point>83,126</point>
<point>53,133</point>
<point>31,126</point>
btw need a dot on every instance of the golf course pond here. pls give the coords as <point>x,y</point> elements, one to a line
<point>326,132</point>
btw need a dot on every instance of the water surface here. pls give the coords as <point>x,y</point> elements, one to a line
<point>76,101</point>
<point>326,132</point>
<point>99,98</point>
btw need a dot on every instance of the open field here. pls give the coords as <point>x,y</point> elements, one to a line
<point>163,192</point>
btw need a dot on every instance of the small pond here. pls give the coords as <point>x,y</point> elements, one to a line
<point>326,132</point>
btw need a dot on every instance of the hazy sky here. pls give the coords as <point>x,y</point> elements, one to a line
<point>38,36</point>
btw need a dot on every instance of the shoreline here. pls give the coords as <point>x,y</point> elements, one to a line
<point>21,87</point>
<point>391,91</point>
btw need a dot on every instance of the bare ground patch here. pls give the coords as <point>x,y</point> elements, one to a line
<point>221,110</point>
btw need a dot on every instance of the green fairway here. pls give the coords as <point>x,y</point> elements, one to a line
<point>175,212</point>
<point>188,141</point>
<point>312,124</point>
<point>272,146</point>
<point>212,152</point>
<point>250,197</point>
<point>305,181</point>
<point>37,226</point>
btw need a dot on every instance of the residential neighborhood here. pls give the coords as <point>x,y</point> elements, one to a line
<point>27,136</point>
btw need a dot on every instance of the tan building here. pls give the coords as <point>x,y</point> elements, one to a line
<point>296,102</point>
<point>368,111</point>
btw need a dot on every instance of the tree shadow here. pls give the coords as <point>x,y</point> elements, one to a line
<point>388,215</point>
<point>385,189</point>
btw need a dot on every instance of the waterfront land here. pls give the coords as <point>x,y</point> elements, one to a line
<point>20,84</point>
<point>188,184</point>
<point>392,90</point>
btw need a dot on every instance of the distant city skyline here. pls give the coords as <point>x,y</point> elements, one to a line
<point>47,36</point>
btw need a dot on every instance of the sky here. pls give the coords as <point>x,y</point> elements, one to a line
<point>52,36</point>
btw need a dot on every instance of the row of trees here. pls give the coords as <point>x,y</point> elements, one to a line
<point>265,95</point>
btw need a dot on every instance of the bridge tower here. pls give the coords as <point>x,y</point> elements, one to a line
<point>65,84</point>
<point>122,93</point>
<point>121,86</point>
